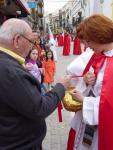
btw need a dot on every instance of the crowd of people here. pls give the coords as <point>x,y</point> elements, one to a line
<point>42,58</point>
<point>65,40</point>
<point>27,97</point>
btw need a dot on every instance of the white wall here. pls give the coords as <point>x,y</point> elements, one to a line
<point>106,8</point>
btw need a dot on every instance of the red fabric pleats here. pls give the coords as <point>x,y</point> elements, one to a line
<point>106,109</point>
<point>71,139</point>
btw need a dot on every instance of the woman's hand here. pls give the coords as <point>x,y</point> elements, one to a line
<point>77,95</point>
<point>90,78</point>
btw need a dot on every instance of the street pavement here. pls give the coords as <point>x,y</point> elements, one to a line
<point>57,132</point>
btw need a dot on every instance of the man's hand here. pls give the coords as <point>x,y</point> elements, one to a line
<point>90,78</point>
<point>65,81</point>
<point>29,66</point>
<point>77,95</point>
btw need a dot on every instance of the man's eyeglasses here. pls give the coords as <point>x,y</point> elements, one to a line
<point>32,42</point>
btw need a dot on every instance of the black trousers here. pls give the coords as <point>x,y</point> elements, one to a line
<point>36,148</point>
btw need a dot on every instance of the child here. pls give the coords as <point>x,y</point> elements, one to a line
<point>31,64</point>
<point>32,67</point>
<point>49,69</point>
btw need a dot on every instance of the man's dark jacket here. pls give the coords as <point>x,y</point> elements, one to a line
<point>22,108</point>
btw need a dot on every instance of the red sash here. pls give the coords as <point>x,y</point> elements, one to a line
<point>71,139</point>
<point>106,109</point>
<point>96,62</point>
<point>60,112</point>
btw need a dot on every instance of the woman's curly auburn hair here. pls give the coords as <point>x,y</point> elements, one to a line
<point>96,28</point>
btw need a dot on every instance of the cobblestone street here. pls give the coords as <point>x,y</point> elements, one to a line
<point>57,133</point>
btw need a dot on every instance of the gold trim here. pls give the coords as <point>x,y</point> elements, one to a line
<point>20,59</point>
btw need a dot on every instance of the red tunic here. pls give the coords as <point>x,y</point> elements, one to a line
<point>60,40</point>
<point>77,46</point>
<point>67,41</point>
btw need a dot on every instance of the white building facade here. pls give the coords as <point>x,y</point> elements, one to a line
<point>105,7</point>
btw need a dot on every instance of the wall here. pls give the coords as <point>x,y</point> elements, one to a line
<point>106,7</point>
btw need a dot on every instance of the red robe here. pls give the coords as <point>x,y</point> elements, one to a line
<point>105,126</point>
<point>77,46</point>
<point>60,40</point>
<point>67,41</point>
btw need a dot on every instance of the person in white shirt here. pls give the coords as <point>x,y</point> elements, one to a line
<point>92,127</point>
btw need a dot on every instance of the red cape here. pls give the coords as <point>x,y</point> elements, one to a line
<point>77,46</point>
<point>67,41</point>
<point>60,40</point>
<point>106,109</point>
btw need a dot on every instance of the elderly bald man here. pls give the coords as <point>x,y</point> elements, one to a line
<point>22,108</point>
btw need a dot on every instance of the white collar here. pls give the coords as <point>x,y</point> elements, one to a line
<point>109,53</point>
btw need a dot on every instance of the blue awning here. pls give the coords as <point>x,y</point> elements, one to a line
<point>32,4</point>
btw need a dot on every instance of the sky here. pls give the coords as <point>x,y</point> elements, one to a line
<point>53,5</point>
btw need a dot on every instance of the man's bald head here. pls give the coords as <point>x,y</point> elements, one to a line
<point>15,35</point>
<point>11,27</point>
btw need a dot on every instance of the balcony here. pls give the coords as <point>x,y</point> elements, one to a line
<point>10,7</point>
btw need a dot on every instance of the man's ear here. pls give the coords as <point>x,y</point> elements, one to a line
<point>16,41</point>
